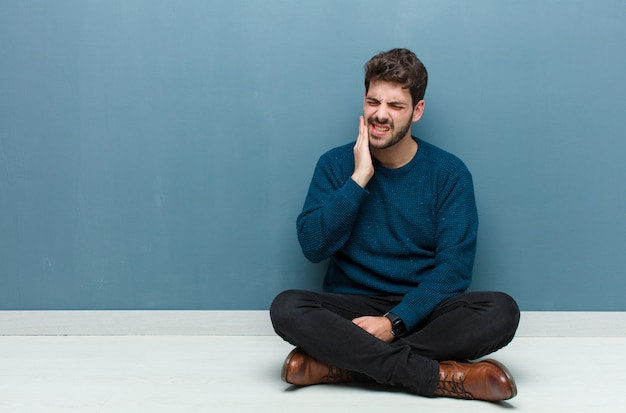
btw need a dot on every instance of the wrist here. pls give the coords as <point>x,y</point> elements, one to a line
<point>398,328</point>
<point>361,179</point>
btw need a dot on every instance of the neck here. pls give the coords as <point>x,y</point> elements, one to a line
<point>398,155</point>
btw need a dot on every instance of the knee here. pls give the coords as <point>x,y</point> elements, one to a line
<point>508,312</point>
<point>284,302</point>
<point>284,308</point>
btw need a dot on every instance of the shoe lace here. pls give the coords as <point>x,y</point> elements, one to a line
<point>451,385</point>
<point>336,374</point>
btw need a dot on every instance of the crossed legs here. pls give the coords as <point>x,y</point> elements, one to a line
<point>462,328</point>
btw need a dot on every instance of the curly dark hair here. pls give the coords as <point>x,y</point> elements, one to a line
<point>398,66</point>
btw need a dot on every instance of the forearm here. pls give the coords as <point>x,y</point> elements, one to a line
<point>421,301</point>
<point>326,222</point>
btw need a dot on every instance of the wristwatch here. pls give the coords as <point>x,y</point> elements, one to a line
<point>398,328</point>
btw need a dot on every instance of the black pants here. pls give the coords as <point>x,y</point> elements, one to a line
<point>465,327</point>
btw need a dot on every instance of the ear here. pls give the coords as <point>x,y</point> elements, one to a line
<point>418,111</point>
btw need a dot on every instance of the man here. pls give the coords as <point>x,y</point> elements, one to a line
<point>397,218</point>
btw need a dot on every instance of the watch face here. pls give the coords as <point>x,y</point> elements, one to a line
<point>398,328</point>
<point>397,325</point>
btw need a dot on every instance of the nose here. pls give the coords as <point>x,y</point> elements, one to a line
<point>381,114</point>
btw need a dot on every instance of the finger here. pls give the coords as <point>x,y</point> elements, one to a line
<point>363,140</point>
<point>364,125</point>
<point>358,321</point>
<point>360,137</point>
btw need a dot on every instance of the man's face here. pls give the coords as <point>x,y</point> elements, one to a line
<point>389,112</point>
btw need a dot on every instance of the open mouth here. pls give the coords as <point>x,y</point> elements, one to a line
<point>379,129</point>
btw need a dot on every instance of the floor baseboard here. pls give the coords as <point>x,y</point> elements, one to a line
<point>257,323</point>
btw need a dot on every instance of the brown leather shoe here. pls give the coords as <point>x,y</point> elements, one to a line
<point>484,380</point>
<point>303,370</point>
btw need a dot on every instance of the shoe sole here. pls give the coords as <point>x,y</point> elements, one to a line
<point>507,373</point>
<point>283,373</point>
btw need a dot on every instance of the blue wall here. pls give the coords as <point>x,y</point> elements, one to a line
<point>155,154</point>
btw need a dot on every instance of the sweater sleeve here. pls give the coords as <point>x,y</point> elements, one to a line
<point>330,209</point>
<point>456,232</point>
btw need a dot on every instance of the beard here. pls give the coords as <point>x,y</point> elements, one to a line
<point>396,135</point>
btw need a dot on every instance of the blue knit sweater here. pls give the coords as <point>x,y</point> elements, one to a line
<point>410,232</point>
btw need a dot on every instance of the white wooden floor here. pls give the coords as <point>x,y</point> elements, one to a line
<point>220,373</point>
